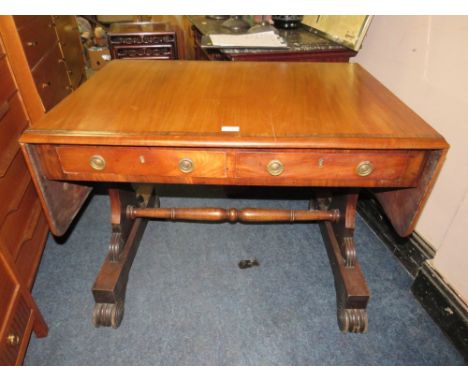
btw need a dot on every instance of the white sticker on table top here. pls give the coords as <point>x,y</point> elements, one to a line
<point>230,129</point>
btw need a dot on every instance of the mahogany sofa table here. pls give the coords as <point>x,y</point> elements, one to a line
<point>328,126</point>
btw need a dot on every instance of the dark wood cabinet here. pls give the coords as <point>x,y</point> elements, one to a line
<point>143,40</point>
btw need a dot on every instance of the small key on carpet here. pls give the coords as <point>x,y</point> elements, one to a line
<point>243,264</point>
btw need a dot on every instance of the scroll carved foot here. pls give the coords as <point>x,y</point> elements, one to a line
<point>108,314</point>
<point>352,320</point>
<point>352,293</point>
<point>111,282</point>
<point>349,251</point>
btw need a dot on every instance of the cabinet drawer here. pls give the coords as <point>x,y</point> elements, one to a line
<point>7,85</point>
<point>333,167</point>
<point>147,39</point>
<point>143,161</point>
<point>163,52</point>
<point>19,224</point>
<point>37,37</point>
<point>51,78</point>
<point>13,341</point>
<point>11,125</point>
<point>30,252</point>
<point>13,184</point>
<point>7,290</point>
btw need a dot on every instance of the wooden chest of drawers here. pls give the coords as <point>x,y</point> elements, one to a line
<point>34,77</point>
<point>23,228</point>
<point>143,40</point>
<point>50,52</point>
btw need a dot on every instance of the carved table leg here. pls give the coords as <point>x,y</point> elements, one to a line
<point>352,293</point>
<point>111,282</point>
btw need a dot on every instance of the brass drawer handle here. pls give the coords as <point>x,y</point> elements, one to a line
<point>13,339</point>
<point>97,162</point>
<point>364,168</point>
<point>186,165</point>
<point>45,84</point>
<point>31,43</point>
<point>275,167</point>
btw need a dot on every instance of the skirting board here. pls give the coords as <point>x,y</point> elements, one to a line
<point>443,305</point>
<point>435,295</point>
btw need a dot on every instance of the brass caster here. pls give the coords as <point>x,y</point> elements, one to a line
<point>106,314</point>
<point>353,320</point>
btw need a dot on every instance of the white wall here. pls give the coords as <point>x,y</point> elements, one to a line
<point>424,61</point>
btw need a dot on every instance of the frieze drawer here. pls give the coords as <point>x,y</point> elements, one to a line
<point>112,162</point>
<point>333,167</point>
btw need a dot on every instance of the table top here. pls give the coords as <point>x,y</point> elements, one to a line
<point>298,40</point>
<point>203,104</point>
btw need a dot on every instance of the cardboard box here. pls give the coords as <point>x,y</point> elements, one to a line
<point>98,57</point>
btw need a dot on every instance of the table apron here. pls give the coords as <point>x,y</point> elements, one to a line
<point>287,167</point>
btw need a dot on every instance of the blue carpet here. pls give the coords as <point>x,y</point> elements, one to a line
<point>188,303</point>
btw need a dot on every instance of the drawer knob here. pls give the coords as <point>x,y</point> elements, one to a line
<point>13,339</point>
<point>97,162</point>
<point>31,43</point>
<point>364,168</point>
<point>186,165</point>
<point>275,167</point>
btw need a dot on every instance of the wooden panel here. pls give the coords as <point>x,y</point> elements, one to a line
<point>11,126</point>
<point>70,43</point>
<point>142,161</point>
<point>23,20</point>
<point>37,37</point>
<point>51,78</point>
<point>404,206</point>
<point>389,168</point>
<point>11,354</point>
<point>7,86</point>
<point>61,201</point>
